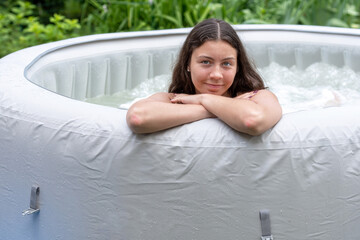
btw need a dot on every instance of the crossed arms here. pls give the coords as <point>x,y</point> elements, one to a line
<point>247,113</point>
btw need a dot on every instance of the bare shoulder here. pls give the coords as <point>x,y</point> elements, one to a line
<point>258,95</point>
<point>264,94</point>
<point>264,98</point>
<point>269,102</point>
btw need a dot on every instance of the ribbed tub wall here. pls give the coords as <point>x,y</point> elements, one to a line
<point>104,74</point>
<point>305,55</point>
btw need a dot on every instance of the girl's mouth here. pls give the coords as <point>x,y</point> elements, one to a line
<point>213,87</point>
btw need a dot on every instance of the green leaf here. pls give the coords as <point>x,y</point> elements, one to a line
<point>334,22</point>
<point>204,14</point>
<point>96,4</point>
<point>188,18</point>
<point>171,19</point>
<point>255,21</point>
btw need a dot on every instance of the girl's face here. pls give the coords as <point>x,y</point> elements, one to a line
<point>213,67</point>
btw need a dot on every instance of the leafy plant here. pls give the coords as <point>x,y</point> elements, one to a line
<point>20,29</point>
<point>112,16</point>
<point>23,24</point>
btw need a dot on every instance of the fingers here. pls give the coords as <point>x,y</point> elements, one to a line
<point>185,98</point>
<point>177,98</point>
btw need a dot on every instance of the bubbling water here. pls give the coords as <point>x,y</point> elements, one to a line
<point>125,98</point>
<point>318,86</point>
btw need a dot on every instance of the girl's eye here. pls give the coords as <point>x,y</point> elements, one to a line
<point>205,62</point>
<point>227,64</point>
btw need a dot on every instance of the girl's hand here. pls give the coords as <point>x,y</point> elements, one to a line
<point>189,99</point>
<point>247,95</point>
<point>186,99</point>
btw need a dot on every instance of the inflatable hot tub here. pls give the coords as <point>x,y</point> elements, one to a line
<point>87,176</point>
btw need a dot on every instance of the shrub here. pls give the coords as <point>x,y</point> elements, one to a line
<point>20,29</point>
<point>26,25</point>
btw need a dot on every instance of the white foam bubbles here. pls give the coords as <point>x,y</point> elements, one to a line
<point>318,86</point>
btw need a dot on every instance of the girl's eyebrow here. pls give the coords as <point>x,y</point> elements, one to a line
<point>204,56</point>
<point>229,58</point>
<point>207,57</point>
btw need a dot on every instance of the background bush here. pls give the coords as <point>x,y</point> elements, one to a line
<point>20,27</point>
<point>27,23</point>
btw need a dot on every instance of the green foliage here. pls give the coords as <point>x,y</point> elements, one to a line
<point>20,29</point>
<point>24,24</point>
<point>336,13</point>
<point>113,16</point>
<point>46,8</point>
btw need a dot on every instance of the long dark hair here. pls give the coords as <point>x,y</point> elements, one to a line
<point>246,78</point>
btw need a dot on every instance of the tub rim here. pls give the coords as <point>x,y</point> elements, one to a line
<point>181,31</point>
<point>18,106</point>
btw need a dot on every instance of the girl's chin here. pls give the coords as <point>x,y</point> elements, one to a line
<point>226,94</point>
<point>213,90</point>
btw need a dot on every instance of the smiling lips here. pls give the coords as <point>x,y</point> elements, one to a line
<point>213,87</point>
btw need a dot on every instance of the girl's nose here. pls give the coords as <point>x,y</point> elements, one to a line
<point>216,73</point>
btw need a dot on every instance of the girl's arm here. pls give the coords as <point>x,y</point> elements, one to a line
<point>248,113</point>
<point>157,113</point>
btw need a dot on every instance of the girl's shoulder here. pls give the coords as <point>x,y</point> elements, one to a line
<point>263,93</point>
<point>248,95</point>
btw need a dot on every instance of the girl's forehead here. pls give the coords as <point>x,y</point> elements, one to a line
<point>215,47</point>
<point>214,42</point>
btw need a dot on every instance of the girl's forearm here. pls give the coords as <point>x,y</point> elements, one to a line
<point>235,112</point>
<point>154,116</point>
<point>242,114</point>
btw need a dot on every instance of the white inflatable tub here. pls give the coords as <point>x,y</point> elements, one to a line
<point>92,178</point>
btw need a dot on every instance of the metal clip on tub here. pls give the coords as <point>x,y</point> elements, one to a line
<point>35,190</point>
<point>265,225</point>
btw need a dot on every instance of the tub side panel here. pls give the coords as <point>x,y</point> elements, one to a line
<point>99,181</point>
<point>181,184</point>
